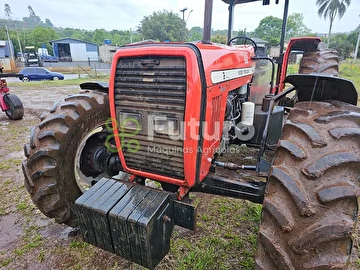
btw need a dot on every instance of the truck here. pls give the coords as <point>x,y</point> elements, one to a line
<point>46,57</point>
<point>31,57</point>
<point>171,113</point>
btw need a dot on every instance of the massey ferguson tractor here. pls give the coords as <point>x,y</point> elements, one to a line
<point>172,113</point>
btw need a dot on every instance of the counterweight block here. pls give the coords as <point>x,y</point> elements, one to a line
<point>130,220</point>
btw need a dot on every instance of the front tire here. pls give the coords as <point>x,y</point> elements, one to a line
<point>51,170</point>
<point>16,110</point>
<point>310,208</point>
<point>25,79</point>
<point>55,78</point>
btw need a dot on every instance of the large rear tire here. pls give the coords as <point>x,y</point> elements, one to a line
<point>322,61</point>
<point>52,174</point>
<point>310,208</point>
<point>16,108</point>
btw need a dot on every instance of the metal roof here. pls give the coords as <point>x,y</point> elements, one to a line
<point>69,38</point>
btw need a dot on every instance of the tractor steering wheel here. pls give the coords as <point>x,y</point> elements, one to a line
<point>245,39</point>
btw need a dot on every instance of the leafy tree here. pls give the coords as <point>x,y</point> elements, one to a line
<point>219,39</point>
<point>48,23</point>
<point>219,32</point>
<point>195,33</point>
<point>241,33</point>
<point>41,35</point>
<point>352,39</point>
<point>330,9</point>
<point>100,35</point>
<point>269,29</point>
<point>163,25</point>
<point>296,27</point>
<point>341,43</point>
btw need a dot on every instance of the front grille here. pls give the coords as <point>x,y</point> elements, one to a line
<point>149,86</point>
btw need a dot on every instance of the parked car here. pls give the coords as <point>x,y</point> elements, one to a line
<point>39,73</point>
<point>49,58</point>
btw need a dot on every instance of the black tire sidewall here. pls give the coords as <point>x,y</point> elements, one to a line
<point>67,184</point>
<point>16,109</point>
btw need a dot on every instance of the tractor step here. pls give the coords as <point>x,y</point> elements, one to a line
<point>130,220</point>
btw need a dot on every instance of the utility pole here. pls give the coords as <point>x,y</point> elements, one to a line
<point>357,46</point>
<point>8,16</point>
<point>7,10</point>
<point>188,16</point>
<point>183,12</point>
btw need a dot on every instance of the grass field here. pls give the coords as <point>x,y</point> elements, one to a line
<point>351,71</point>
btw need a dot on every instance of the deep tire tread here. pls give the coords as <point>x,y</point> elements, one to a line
<point>319,234</point>
<point>277,254</point>
<point>48,164</point>
<point>322,61</point>
<point>315,138</point>
<point>339,133</point>
<point>284,219</point>
<point>295,189</point>
<point>324,179</point>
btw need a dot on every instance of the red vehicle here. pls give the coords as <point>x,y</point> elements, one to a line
<point>172,113</point>
<point>10,103</point>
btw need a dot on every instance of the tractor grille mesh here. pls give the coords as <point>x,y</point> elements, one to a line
<point>151,86</point>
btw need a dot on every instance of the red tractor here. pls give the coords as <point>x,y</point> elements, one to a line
<point>172,113</point>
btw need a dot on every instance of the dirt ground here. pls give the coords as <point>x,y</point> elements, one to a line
<point>225,239</point>
<point>29,240</point>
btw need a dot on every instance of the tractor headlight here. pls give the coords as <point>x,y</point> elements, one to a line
<point>129,121</point>
<point>166,125</point>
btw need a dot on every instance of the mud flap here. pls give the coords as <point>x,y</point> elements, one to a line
<point>127,219</point>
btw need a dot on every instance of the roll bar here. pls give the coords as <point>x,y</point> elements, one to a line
<point>232,4</point>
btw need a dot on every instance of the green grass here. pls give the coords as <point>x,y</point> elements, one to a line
<point>226,237</point>
<point>351,71</point>
<point>5,262</point>
<point>7,164</point>
<point>78,244</point>
<point>31,243</point>
<point>22,206</point>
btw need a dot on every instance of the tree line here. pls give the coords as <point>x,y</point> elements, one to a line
<point>168,26</point>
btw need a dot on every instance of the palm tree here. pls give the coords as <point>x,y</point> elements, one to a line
<point>330,9</point>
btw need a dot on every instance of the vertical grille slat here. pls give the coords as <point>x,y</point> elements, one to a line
<point>152,85</point>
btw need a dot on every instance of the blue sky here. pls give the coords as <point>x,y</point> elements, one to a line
<point>126,14</point>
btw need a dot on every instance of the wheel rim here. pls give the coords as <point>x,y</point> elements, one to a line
<point>25,79</point>
<point>56,78</point>
<point>85,182</point>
